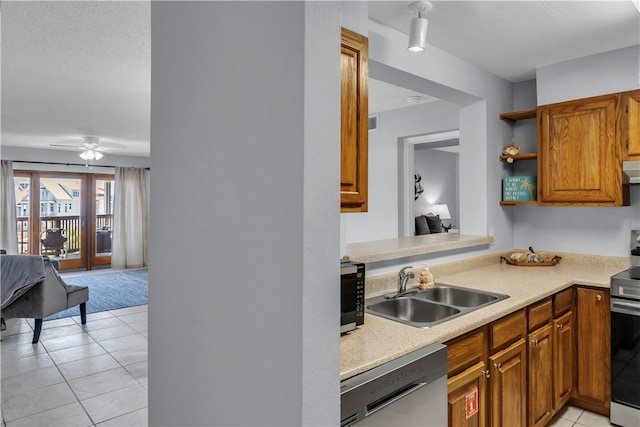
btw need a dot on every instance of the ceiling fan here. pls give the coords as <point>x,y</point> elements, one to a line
<point>91,147</point>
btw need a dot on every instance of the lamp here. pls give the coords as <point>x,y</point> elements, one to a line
<point>443,211</point>
<point>418,32</point>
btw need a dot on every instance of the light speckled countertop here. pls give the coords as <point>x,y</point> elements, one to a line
<point>380,340</point>
<point>382,250</point>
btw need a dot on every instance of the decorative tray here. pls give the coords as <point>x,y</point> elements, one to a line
<point>556,259</point>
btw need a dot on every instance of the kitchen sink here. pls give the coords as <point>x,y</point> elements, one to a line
<point>458,297</point>
<point>430,307</point>
<point>412,310</point>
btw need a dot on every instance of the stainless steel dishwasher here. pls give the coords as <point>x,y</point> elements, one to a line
<point>408,391</point>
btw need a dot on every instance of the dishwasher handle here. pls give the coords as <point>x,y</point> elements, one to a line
<point>392,397</point>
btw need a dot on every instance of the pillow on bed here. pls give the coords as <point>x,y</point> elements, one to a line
<point>434,223</point>
<point>422,227</point>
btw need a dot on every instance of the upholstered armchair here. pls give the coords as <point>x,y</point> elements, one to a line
<point>32,288</point>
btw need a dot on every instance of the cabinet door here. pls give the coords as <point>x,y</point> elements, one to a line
<point>467,399</point>
<point>593,358</point>
<point>508,384</point>
<point>562,359</point>
<point>354,107</point>
<point>540,376</point>
<point>579,153</point>
<point>631,136</point>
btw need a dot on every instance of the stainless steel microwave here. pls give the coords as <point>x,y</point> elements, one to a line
<point>351,295</point>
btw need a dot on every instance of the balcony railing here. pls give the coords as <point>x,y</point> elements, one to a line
<point>70,224</point>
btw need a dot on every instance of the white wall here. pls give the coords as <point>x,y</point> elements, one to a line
<point>439,172</point>
<point>243,304</point>
<point>480,96</point>
<point>381,221</point>
<point>590,230</point>
<point>609,72</point>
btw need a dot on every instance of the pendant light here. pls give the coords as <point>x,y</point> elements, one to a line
<point>418,32</point>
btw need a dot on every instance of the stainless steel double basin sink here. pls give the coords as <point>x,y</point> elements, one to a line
<point>430,307</point>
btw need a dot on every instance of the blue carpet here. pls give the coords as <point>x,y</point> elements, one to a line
<point>109,291</point>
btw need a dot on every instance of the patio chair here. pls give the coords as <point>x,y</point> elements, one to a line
<point>32,288</point>
<point>53,241</point>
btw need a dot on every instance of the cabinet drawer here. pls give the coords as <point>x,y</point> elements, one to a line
<point>540,313</point>
<point>563,301</point>
<point>466,350</point>
<point>507,329</point>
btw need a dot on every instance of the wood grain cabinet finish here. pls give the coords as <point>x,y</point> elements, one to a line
<point>631,124</point>
<point>593,353</point>
<point>508,384</point>
<point>467,397</point>
<point>563,357</point>
<point>540,347</point>
<point>354,132</point>
<point>580,153</point>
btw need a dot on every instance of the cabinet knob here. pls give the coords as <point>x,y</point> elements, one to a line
<point>598,297</point>
<point>560,326</point>
<point>487,373</point>
<point>534,342</point>
<point>497,365</point>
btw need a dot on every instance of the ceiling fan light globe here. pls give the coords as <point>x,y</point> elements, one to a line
<point>88,155</point>
<point>98,155</point>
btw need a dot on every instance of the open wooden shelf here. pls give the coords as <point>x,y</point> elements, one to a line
<point>528,202</point>
<point>524,156</point>
<point>519,115</point>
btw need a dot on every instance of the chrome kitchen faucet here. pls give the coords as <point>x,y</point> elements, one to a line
<point>403,278</point>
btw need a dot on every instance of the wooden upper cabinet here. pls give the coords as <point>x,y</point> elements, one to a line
<point>354,111</point>
<point>580,153</point>
<point>631,124</point>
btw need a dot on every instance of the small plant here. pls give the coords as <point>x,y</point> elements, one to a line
<point>446,228</point>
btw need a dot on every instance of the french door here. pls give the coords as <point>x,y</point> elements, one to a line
<point>67,216</point>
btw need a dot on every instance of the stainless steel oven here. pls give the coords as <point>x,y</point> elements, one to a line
<point>625,341</point>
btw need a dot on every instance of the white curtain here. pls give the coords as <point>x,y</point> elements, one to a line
<point>8,222</point>
<point>129,244</point>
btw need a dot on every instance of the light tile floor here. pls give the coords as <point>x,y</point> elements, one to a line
<point>570,416</point>
<point>95,375</point>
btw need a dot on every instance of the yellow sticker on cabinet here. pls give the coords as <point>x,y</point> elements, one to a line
<point>471,403</point>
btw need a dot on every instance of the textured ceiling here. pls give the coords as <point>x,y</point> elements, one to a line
<point>73,69</point>
<point>82,68</point>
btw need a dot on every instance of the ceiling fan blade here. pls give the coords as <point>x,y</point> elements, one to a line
<point>67,145</point>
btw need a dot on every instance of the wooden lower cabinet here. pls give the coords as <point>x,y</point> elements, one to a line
<point>541,364</point>
<point>501,376</point>
<point>563,357</point>
<point>508,384</point>
<point>593,350</point>
<point>467,400</point>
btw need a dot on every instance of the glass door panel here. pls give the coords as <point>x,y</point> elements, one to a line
<point>23,208</point>
<point>103,197</point>
<point>63,219</point>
